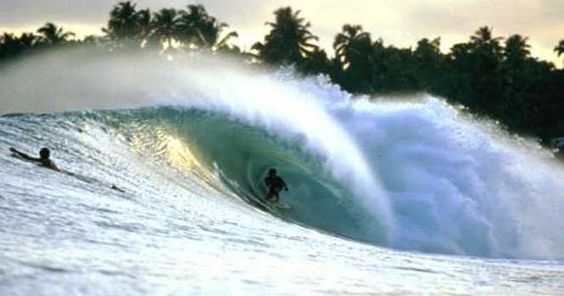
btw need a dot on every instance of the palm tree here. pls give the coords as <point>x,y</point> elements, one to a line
<point>428,49</point>
<point>200,30</point>
<point>483,40</point>
<point>210,34</point>
<point>93,40</point>
<point>516,48</point>
<point>316,62</point>
<point>223,43</point>
<point>288,40</point>
<point>559,49</point>
<point>484,52</point>
<point>352,45</point>
<point>428,61</point>
<point>165,24</point>
<point>28,40</point>
<point>9,46</point>
<point>191,22</point>
<point>146,36</point>
<point>128,26</point>
<point>482,35</point>
<point>354,51</point>
<point>53,35</point>
<point>479,64</point>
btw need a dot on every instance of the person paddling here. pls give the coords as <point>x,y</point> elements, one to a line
<point>275,184</point>
<point>43,159</point>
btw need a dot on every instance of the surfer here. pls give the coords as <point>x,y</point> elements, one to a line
<point>43,159</point>
<point>275,184</point>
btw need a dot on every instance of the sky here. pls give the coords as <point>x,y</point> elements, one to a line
<point>399,22</point>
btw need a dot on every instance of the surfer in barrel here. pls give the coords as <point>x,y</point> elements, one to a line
<point>43,159</point>
<point>275,184</point>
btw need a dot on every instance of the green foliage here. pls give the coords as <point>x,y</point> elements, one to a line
<point>288,41</point>
<point>12,46</point>
<point>127,27</point>
<point>355,52</point>
<point>200,30</point>
<point>559,49</point>
<point>51,35</point>
<point>165,24</point>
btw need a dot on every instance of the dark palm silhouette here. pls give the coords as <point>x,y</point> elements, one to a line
<point>198,30</point>
<point>487,49</point>
<point>352,45</point>
<point>212,35</point>
<point>514,77</point>
<point>429,62</point>
<point>516,48</point>
<point>27,40</point>
<point>559,49</point>
<point>10,46</point>
<point>145,36</point>
<point>481,63</point>
<point>94,41</point>
<point>354,50</point>
<point>204,31</point>
<point>288,41</point>
<point>53,35</point>
<point>127,26</point>
<point>316,62</point>
<point>484,43</point>
<point>191,24</point>
<point>428,52</point>
<point>482,36</point>
<point>165,23</point>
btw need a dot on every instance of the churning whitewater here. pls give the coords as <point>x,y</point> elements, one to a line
<point>190,141</point>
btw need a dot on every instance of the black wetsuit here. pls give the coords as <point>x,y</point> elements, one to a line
<point>275,185</point>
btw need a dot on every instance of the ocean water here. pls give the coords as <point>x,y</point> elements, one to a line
<point>389,195</point>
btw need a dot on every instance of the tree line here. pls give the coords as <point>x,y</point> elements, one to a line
<point>492,76</point>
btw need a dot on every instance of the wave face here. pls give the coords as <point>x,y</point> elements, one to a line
<point>411,173</point>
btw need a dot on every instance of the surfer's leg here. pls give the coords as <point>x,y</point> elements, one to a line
<point>270,196</point>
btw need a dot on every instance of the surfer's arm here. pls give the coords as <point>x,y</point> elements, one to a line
<point>284,184</point>
<point>23,155</point>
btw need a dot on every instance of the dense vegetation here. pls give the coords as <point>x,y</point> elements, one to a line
<point>490,75</point>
